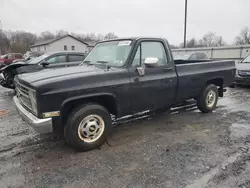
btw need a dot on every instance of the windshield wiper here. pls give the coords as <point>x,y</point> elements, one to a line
<point>103,63</point>
<point>98,63</point>
<point>87,62</point>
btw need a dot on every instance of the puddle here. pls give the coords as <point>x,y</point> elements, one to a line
<point>239,130</point>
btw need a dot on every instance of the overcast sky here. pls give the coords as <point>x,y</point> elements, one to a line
<point>128,17</point>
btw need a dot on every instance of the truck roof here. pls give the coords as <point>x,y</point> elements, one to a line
<point>133,38</point>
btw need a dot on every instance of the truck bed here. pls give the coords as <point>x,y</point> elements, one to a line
<point>193,75</point>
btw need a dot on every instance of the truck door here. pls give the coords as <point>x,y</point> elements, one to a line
<point>155,87</point>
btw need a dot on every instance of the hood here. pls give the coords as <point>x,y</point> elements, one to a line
<point>243,66</point>
<point>55,75</point>
<point>13,65</point>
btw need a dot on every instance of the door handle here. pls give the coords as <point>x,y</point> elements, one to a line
<point>167,69</point>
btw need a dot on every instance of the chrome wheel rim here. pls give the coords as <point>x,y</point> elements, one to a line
<point>91,128</point>
<point>211,98</point>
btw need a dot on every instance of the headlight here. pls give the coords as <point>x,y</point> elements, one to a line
<point>32,95</point>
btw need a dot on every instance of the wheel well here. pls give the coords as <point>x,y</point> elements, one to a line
<point>218,82</point>
<point>106,101</point>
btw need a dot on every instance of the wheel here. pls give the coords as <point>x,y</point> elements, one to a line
<point>87,127</point>
<point>208,99</point>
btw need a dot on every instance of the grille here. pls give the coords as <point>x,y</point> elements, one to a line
<point>22,93</point>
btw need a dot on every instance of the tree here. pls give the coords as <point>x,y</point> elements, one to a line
<point>61,33</point>
<point>210,40</point>
<point>46,35</point>
<point>4,43</point>
<point>192,43</point>
<point>173,46</point>
<point>94,37</point>
<point>110,35</point>
<point>244,37</point>
<point>20,41</point>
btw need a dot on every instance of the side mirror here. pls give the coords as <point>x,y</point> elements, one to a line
<point>151,62</point>
<point>6,57</point>
<point>44,64</point>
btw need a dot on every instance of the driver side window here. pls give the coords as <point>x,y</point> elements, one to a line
<point>150,49</point>
<point>57,59</point>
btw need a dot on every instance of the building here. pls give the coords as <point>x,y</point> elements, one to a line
<point>64,43</point>
<point>91,44</point>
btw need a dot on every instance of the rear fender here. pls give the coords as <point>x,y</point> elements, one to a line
<point>218,81</point>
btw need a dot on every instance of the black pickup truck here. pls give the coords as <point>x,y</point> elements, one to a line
<point>119,77</point>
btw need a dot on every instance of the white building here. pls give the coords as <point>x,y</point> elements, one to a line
<point>64,43</point>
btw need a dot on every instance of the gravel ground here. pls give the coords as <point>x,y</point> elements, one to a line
<point>181,148</point>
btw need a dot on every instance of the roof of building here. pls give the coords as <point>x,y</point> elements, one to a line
<point>45,42</point>
<point>91,43</point>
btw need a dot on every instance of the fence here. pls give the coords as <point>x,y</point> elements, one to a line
<point>225,52</point>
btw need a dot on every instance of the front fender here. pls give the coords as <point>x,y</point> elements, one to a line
<point>90,96</point>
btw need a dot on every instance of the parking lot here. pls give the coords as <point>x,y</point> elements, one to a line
<point>180,148</point>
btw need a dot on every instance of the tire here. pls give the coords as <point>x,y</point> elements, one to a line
<point>87,120</point>
<point>203,104</point>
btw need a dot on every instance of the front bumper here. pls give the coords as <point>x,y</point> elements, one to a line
<point>39,125</point>
<point>242,80</point>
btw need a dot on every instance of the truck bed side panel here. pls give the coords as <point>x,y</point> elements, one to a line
<point>194,76</point>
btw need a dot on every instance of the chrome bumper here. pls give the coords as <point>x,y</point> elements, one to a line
<point>39,125</point>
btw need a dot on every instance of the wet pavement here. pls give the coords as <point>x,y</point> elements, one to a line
<point>181,148</point>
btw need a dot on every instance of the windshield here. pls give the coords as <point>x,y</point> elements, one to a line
<point>38,59</point>
<point>181,57</point>
<point>246,60</point>
<point>113,53</point>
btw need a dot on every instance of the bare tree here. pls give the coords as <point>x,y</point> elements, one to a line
<point>4,43</point>
<point>94,37</point>
<point>110,35</point>
<point>210,40</point>
<point>61,33</point>
<point>244,37</point>
<point>20,41</point>
<point>46,35</point>
<point>173,46</point>
<point>192,43</point>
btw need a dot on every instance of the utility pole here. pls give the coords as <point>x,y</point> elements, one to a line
<point>185,25</point>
